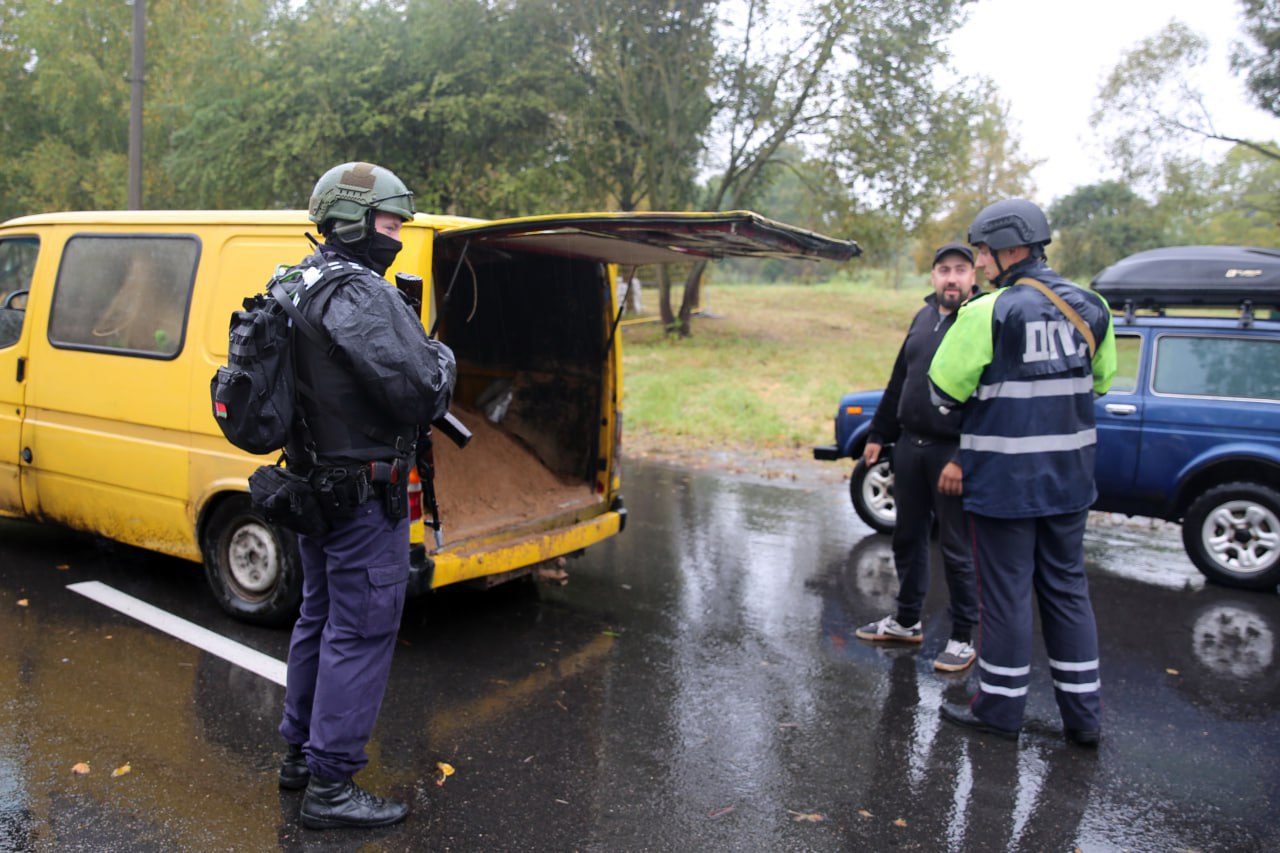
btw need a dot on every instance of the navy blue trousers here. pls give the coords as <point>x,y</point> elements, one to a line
<point>1013,556</point>
<point>916,467</point>
<point>353,588</point>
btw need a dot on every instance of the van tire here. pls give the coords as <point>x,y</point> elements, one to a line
<point>252,567</point>
<point>1232,534</point>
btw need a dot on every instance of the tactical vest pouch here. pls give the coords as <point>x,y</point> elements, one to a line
<point>287,499</point>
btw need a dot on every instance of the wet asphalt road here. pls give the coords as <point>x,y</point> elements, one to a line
<point>696,686</point>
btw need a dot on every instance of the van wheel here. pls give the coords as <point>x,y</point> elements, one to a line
<point>871,489</point>
<point>1232,534</point>
<point>252,567</point>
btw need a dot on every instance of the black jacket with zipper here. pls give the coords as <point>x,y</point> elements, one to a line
<point>906,405</point>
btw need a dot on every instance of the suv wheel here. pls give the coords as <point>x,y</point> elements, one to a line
<point>1232,534</point>
<point>871,489</point>
<point>252,566</point>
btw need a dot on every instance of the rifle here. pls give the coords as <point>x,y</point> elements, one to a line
<point>455,431</point>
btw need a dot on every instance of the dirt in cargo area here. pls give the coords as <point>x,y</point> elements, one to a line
<point>496,480</point>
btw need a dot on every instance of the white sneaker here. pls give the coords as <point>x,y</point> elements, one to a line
<point>957,656</point>
<point>889,629</point>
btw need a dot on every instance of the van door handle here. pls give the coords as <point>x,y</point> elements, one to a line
<point>1120,408</point>
<point>22,368</point>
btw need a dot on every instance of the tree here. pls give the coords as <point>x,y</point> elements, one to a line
<point>1151,100</point>
<point>994,168</point>
<point>1099,224</point>
<point>1234,202</point>
<point>859,76</point>
<point>1262,66</point>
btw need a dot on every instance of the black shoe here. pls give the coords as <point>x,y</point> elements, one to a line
<point>294,773</point>
<point>962,716</point>
<point>1083,737</point>
<point>333,803</point>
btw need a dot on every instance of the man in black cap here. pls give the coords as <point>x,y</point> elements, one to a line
<point>926,441</point>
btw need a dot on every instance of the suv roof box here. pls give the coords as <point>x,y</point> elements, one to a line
<point>1193,275</point>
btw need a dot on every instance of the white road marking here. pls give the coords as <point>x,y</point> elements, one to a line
<point>189,632</point>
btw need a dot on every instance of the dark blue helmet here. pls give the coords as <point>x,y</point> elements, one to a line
<point>1009,223</point>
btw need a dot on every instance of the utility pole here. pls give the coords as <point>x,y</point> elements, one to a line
<point>135,107</point>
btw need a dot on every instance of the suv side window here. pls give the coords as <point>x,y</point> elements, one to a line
<point>1128,359</point>
<point>1243,368</point>
<point>124,293</point>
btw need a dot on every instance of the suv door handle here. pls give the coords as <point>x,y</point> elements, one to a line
<point>1120,408</point>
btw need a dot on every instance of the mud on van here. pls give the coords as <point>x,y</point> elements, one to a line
<point>111,325</point>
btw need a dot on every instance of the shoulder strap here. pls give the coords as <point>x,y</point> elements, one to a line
<point>1067,311</point>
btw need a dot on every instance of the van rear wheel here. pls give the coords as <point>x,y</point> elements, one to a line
<point>252,567</point>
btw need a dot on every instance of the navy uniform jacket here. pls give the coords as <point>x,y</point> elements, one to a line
<point>1022,373</point>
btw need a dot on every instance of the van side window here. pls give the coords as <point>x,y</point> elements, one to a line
<point>1244,368</point>
<point>128,293</point>
<point>17,263</point>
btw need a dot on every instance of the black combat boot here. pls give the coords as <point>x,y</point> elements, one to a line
<point>332,803</point>
<point>293,770</point>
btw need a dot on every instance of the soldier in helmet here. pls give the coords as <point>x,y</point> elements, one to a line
<point>381,378</point>
<point>1024,363</point>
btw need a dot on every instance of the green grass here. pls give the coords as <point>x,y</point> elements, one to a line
<point>764,370</point>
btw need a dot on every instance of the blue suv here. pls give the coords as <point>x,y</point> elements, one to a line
<point>1190,431</point>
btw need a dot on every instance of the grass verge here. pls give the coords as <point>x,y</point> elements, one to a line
<point>764,368</point>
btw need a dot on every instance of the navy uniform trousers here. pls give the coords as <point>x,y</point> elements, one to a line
<point>1013,556</point>
<point>917,464</point>
<point>353,589</point>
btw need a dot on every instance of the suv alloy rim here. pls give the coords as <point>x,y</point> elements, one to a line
<point>1242,536</point>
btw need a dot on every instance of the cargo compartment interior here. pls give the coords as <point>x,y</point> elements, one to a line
<point>529,332</point>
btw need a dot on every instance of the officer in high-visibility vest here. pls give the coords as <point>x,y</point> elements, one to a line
<point>1024,363</point>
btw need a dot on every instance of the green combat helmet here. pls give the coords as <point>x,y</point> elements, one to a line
<point>350,193</point>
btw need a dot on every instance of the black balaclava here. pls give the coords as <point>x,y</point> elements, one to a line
<point>374,250</point>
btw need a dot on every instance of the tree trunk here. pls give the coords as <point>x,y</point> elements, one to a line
<point>692,292</point>
<point>664,298</point>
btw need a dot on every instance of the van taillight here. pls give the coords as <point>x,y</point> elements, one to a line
<point>415,495</point>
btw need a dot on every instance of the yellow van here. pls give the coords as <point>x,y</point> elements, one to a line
<point>112,323</point>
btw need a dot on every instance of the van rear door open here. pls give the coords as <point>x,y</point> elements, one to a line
<point>527,306</point>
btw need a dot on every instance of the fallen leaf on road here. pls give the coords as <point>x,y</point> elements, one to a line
<point>446,770</point>
<point>64,567</point>
<point>807,817</point>
<point>719,812</point>
<point>899,822</point>
<point>80,768</point>
<point>1172,671</point>
<point>865,813</point>
<point>22,602</point>
<point>121,770</point>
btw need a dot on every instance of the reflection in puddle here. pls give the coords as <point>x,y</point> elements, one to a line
<point>1233,641</point>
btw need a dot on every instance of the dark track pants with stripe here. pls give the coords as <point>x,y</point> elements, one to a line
<point>1013,557</point>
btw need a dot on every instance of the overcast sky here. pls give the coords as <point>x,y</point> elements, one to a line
<point>1049,58</point>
